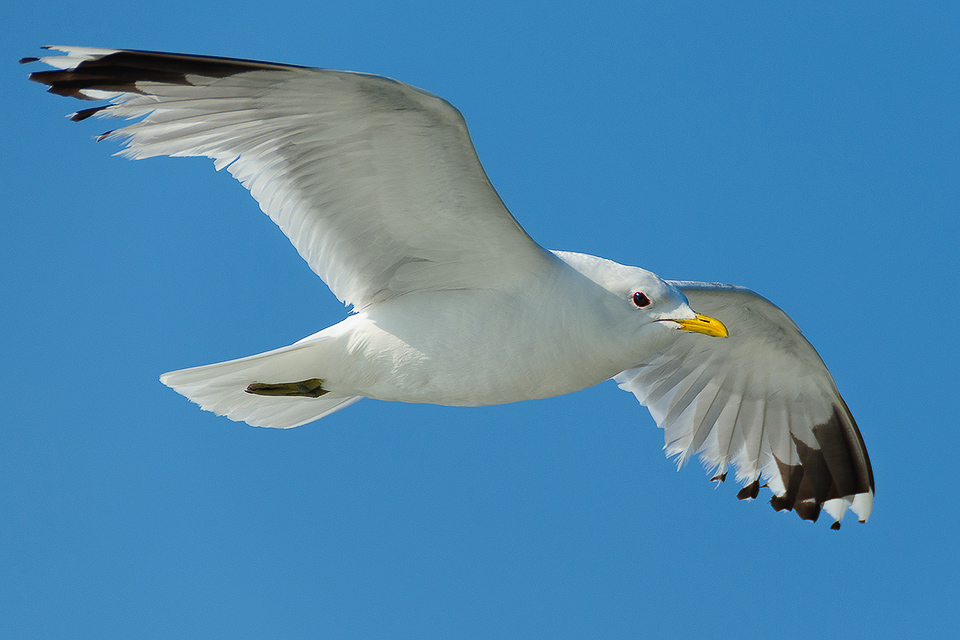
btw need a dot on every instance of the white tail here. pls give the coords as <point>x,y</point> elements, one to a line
<point>220,387</point>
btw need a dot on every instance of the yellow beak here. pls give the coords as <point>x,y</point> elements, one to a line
<point>704,324</point>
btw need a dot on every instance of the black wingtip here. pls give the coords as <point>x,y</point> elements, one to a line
<point>119,71</point>
<point>807,510</point>
<point>83,114</point>
<point>749,492</point>
<point>29,60</point>
<point>779,503</point>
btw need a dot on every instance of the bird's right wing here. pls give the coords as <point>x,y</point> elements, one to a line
<point>761,400</point>
<point>375,182</point>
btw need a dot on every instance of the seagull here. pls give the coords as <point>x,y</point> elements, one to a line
<point>378,186</point>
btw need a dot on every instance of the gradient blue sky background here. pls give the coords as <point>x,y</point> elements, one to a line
<point>810,153</point>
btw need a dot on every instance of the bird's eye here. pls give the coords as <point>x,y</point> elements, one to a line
<point>640,299</point>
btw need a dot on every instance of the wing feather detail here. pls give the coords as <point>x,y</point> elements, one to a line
<point>761,401</point>
<point>342,162</point>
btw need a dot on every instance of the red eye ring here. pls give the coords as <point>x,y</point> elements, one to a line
<point>640,299</point>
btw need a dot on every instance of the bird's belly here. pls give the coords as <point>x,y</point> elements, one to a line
<point>459,359</point>
<point>462,381</point>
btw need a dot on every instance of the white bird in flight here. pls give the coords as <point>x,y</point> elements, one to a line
<point>378,186</point>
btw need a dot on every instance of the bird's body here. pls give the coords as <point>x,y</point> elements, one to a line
<point>378,186</point>
<point>506,342</point>
<point>421,349</point>
<point>483,347</point>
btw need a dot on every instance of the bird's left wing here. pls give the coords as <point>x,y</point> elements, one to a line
<point>761,400</point>
<point>375,182</point>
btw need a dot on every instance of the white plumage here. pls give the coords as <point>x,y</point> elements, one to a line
<point>378,186</point>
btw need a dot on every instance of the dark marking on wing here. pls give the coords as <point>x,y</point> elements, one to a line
<point>83,114</point>
<point>121,71</point>
<point>750,491</point>
<point>836,467</point>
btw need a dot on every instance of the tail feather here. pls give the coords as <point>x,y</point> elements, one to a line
<point>220,388</point>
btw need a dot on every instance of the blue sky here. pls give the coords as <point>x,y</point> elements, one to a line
<point>809,153</point>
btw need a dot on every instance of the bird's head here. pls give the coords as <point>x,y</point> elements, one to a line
<point>643,298</point>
